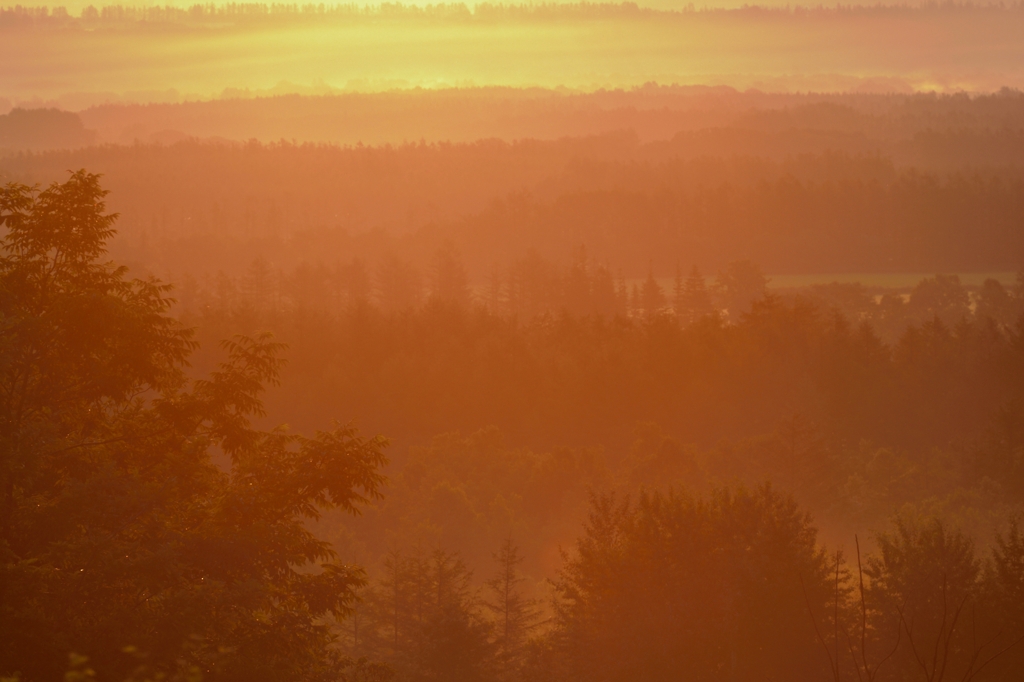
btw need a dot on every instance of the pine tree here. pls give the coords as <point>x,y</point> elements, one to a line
<point>260,285</point>
<point>495,292</point>
<point>695,299</point>
<point>454,643</point>
<point>677,292</point>
<point>449,283</point>
<point>652,297</point>
<point>515,614</point>
<point>393,599</point>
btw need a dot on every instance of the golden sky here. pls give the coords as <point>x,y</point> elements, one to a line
<point>81,61</point>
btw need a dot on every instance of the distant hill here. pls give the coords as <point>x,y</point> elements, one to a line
<point>39,129</point>
<point>647,178</point>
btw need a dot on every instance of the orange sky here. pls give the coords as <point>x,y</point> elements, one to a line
<point>80,63</point>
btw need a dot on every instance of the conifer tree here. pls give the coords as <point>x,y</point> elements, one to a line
<point>695,299</point>
<point>515,614</point>
<point>652,297</point>
<point>677,293</point>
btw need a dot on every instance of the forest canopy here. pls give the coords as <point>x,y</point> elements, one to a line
<point>644,179</point>
<point>153,530</point>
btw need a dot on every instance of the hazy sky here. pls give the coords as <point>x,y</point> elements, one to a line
<point>943,49</point>
<point>76,6</point>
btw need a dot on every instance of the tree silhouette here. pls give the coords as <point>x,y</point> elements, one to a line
<point>515,615</point>
<point>116,526</point>
<point>652,297</point>
<point>449,284</point>
<point>692,298</point>
<point>740,284</point>
<point>676,587</point>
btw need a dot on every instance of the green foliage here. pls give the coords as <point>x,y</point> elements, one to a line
<point>116,526</point>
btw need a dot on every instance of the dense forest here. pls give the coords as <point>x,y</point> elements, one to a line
<point>546,342</point>
<point>585,479</point>
<point>619,445</point>
<point>796,183</point>
<point>816,214</point>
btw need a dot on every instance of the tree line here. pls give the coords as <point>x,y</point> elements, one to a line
<point>800,185</point>
<point>731,585</point>
<point>534,286</point>
<point>574,356</point>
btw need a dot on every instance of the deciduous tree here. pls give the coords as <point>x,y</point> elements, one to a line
<point>116,526</point>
